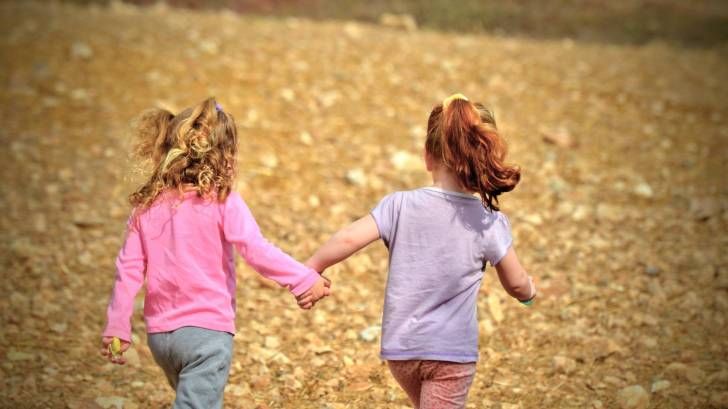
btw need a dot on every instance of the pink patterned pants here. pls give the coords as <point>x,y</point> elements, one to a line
<point>434,384</point>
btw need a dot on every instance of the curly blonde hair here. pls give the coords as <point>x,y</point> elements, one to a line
<point>193,149</point>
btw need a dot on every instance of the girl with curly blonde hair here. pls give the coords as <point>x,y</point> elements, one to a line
<point>185,222</point>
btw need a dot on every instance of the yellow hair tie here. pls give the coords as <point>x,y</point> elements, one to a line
<point>451,98</point>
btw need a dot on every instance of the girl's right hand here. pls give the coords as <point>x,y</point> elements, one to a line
<point>114,359</point>
<point>319,290</point>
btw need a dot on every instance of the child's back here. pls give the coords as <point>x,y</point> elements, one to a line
<point>438,243</point>
<point>180,238</point>
<point>190,264</point>
<point>439,240</point>
<point>185,245</point>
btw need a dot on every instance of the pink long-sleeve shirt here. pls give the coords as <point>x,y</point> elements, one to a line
<point>184,249</point>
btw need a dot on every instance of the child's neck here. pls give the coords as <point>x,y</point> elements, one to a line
<point>444,179</point>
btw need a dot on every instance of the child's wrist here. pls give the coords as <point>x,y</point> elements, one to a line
<point>310,264</point>
<point>530,299</point>
<point>527,302</point>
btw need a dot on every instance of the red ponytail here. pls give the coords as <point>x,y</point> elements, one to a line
<point>463,136</point>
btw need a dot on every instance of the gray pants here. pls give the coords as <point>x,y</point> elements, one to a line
<point>196,362</point>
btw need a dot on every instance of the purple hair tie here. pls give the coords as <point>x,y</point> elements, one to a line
<point>218,107</point>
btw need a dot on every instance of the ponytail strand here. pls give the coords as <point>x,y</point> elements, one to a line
<point>463,137</point>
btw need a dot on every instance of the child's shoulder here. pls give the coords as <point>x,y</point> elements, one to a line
<point>396,197</point>
<point>497,220</point>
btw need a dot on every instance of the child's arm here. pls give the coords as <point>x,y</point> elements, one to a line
<point>242,230</point>
<point>344,243</point>
<point>130,267</point>
<point>340,246</point>
<point>514,278</point>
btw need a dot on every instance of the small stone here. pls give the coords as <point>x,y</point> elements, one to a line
<point>692,302</point>
<point>719,377</point>
<point>15,355</point>
<point>652,270</point>
<point>86,258</point>
<point>643,189</point>
<point>682,371</point>
<point>281,358</point>
<point>562,138</point>
<point>241,389</point>
<point>39,223</point>
<point>719,400</point>
<point>649,342</point>
<point>82,51</point>
<point>79,94</point>
<point>350,334</point>
<point>314,201</point>
<point>370,334</point>
<point>272,342</point>
<point>564,365</point>
<point>58,327</point>
<point>533,219</point>
<point>288,94</point>
<point>352,30</point>
<point>660,385</point>
<point>210,47</point>
<point>305,138</point>
<point>356,177</point>
<point>110,402</point>
<point>486,326</point>
<point>557,184</point>
<point>613,380</point>
<point>398,21</point>
<point>565,208</point>
<point>703,208</point>
<point>580,213</point>
<point>609,212</point>
<point>403,160</point>
<point>269,160</point>
<point>633,397</point>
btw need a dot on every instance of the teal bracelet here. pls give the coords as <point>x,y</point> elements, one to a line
<point>527,302</point>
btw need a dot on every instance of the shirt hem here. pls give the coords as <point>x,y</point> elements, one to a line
<point>154,329</point>
<point>448,357</point>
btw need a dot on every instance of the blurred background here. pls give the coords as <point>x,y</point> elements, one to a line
<point>616,112</point>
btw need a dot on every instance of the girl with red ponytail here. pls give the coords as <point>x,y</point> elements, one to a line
<point>462,137</point>
<point>440,239</point>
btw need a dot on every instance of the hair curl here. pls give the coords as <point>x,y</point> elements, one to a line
<point>465,139</point>
<point>193,149</point>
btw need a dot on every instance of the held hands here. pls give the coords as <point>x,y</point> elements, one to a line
<point>318,291</point>
<point>108,350</point>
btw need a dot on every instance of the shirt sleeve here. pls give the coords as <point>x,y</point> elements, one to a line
<point>502,239</point>
<point>130,270</point>
<point>241,229</point>
<point>384,214</point>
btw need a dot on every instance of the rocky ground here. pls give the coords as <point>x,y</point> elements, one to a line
<point>622,211</point>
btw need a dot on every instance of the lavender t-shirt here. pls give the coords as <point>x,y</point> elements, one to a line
<point>439,242</point>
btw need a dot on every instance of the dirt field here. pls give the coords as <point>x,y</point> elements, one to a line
<point>623,220</point>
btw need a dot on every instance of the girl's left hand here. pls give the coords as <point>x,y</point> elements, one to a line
<point>114,359</point>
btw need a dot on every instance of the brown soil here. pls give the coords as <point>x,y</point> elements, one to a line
<point>625,226</point>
